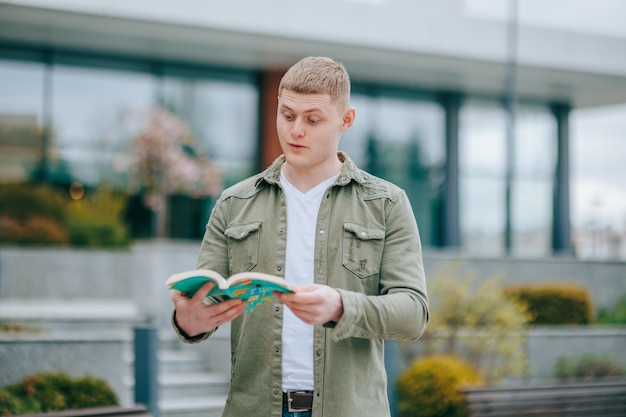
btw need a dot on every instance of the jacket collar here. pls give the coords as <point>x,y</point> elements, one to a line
<point>349,171</point>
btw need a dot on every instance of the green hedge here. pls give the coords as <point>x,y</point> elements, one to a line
<point>554,304</point>
<point>24,201</point>
<point>40,393</point>
<point>588,366</point>
<point>39,215</point>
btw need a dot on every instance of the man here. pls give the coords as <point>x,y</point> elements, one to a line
<point>345,239</point>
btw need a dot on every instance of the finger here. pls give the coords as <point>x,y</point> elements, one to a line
<point>228,310</point>
<point>177,295</point>
<point>203,291</point>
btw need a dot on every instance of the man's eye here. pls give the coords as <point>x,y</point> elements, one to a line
<point>314,121</point>
<point>289,117</point>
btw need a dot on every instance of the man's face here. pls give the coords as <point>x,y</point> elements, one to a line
<point>309,127</point>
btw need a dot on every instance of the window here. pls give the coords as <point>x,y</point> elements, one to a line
<point>533,182</point>
<point>223,115</point>
<point>88,109</point>
<point>483,179</point>
<point>94,118</point>
<point>482,182</point>
<point>401,139</point>
<point>21,120</point>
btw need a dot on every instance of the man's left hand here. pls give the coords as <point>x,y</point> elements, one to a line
<point>314,303</point>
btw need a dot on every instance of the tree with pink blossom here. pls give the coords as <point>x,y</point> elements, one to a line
<point>163,161</point>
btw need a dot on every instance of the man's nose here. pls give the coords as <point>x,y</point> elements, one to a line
<point>297,129</point>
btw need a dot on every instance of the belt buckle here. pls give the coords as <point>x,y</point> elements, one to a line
<point>289,401</point>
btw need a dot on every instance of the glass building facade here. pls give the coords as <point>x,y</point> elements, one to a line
<point>68,118</point>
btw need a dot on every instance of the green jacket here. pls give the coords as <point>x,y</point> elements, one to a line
<point>367,246</point>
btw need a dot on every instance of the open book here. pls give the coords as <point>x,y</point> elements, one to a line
<point>253,287</point>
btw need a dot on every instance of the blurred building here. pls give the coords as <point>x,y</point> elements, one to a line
<point>465,104</point>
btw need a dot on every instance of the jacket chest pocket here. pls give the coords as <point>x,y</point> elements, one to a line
<point>362,249</point>
<point>243,246</point>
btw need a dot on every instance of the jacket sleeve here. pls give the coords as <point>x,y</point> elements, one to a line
<point>213,248</point>
<point>400,310</point>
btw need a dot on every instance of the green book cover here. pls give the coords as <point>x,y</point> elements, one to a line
<point>254,287</point>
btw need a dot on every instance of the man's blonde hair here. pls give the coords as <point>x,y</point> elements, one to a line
<point>318,75</point>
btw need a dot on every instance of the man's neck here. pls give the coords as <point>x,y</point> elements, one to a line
<point>305,179</point>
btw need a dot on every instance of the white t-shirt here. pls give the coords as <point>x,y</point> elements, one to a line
<point>302,211</point>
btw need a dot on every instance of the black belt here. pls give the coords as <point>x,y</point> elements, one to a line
<point>296,400</point>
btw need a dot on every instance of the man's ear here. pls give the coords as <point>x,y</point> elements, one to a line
<point>348,118</point>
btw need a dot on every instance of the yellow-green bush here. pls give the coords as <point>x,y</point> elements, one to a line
<point>430,387</point>
<point>477,322</point>
<point>551,304</point>
<point>55,391</point>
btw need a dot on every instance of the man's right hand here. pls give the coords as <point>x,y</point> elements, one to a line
<point>194,317</point>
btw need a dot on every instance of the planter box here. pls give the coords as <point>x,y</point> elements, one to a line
<point>101,354</point>
<point>544,346</point>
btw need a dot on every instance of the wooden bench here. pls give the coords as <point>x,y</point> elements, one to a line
<point>581,399</point>
<point>138,410</point>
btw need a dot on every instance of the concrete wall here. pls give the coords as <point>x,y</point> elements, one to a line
<point>86,303</point>
<point>132,282</point>
<point>60,285</point>
<point>105,355</point>
<point>545,345</point>
<point>605,280</point>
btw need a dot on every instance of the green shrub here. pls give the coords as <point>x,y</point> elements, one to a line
<point>55,391</point>
<point>430,387</point>
<point>39,215</point>
<point>102,203</point>
<point>615,314</point>
<point>40,390</point>
<point>12,405</point>
<point>36,230</point>
<point>551,304</point>
<point>23,201</point>
<point>588,366</point>
<point>93,233</point>
<point>96,220</point>
<point>88,392</point>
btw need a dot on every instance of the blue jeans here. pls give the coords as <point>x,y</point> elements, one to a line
<point>287,413</point>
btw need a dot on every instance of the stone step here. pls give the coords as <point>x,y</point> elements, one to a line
<point>197,407</point>
<point>86,314</point>
<point>192,385</point>
<point>179,362</point>
<point>188,384</point>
